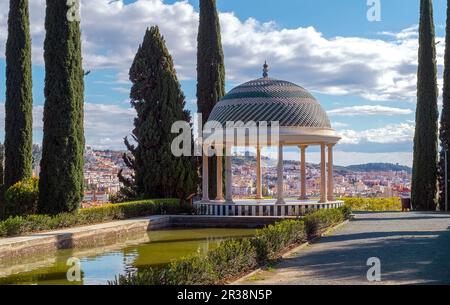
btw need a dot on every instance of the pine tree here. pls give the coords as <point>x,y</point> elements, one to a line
<point>19,100</point>
<point>210,72</point>
<point>424,180</point>
<point>159,102</point>
<point>61,176</point>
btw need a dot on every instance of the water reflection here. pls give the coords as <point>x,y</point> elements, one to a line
<point>102,264</point>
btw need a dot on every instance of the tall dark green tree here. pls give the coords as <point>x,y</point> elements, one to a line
<point>2,167</point>
<point>19,100</point>
<point>61,176</point>
<point>210,72</point>
<point>444,134</point>
<point>159,102</point>
<point>424,180</point>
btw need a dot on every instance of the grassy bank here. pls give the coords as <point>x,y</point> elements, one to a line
<point>233,258</point>
<point>19,225</point>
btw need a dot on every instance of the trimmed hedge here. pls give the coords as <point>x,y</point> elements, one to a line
<point>374,204</point>
<point>20,225</point>
<point>235,257</point>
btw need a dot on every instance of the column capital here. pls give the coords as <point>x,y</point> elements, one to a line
<point>331,145</point>
<point>303,146</point>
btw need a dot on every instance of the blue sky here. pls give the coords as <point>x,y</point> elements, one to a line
<point>362,72</point>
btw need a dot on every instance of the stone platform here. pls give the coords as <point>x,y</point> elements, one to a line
<point>266,207</point>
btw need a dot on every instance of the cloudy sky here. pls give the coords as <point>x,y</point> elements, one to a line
<point>363,72</point>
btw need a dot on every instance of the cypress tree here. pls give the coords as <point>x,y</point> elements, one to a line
<point>19,100</point>
<point>424,180</point>
<point>159,102</point>
<point>61,176</point>
<point>444,134</point>
<point>2,167</point>
<point>210,72</point>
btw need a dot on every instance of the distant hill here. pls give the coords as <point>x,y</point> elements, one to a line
<point>369,167</point>
<point>378,167</point>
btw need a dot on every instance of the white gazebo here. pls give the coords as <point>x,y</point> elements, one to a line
<point>268,112</point>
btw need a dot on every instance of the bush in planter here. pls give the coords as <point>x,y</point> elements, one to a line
<point>21,198</point>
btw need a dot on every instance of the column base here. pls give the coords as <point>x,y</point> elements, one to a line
<point>229,201</point>
<point>323,201</point>
<point>331,199</point>
<point>259,198</point>
<point>220,199</point>
<point>205,201</point>
<point>280,201</point>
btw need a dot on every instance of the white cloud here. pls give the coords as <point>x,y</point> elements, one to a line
<point>375,69</point>
<point>392,133</point>
<point>105,125</point>
<point>368,110</point>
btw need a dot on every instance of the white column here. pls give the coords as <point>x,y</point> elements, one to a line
<point>258,174</point>
<point>330,185</point>
<point>280,199</point>
<point>205,178</point>
<point>323,180</point>
<point>219,196</point>
<point>228,177</point>
<point>303,172</point>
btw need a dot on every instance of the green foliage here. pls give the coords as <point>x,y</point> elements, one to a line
<point>2,164</point>
<point>319,220</point>
<point>270,241</point>
<point>19,97</point>
<point>61,176</point>
<point>444,131</point>
<point>233,257</point>
<point>22,198</point>
<point>236,256</point>
<point>159,102</point>
<point>35,223</point>
<point>374,204</point>
<point>210,72</point>
<point>424,176</point>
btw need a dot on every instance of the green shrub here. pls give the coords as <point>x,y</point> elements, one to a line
<point>14,225</point>
<point>232,257</point>
<point>274,238</point>
<point>38,223</point>
<point>191,270</point>
<point>322,219</point>
<point>35,223</point>
<point>374,204</point>
<point>21,198</point>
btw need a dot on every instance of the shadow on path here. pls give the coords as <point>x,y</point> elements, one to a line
<point>413,248</point>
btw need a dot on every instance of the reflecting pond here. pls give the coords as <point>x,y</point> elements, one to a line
<point>99,265</point>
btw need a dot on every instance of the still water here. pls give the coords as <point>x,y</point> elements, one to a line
<point>100,265</point>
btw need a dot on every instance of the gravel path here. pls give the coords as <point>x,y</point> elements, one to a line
<point>414,248</point>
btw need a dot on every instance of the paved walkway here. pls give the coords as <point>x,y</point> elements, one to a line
<point>414,248</point>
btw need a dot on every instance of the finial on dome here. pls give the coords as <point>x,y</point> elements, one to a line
<point>265,70</point>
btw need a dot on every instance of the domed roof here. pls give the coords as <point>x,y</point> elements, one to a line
<point>268,99</point>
